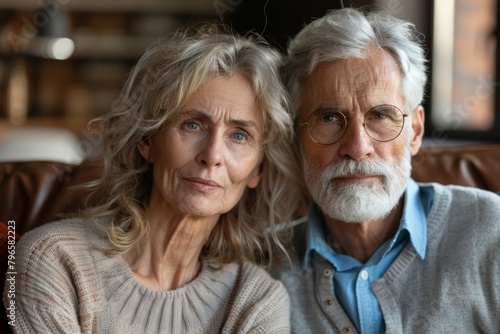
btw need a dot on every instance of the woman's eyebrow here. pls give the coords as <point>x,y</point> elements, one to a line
<point>204,116</point>
<point>196,113</point>
<point>243,123</point>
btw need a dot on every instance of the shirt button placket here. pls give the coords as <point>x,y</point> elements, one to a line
<point>328,272</point>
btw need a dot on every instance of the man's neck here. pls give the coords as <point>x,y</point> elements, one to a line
<point>361,240</point>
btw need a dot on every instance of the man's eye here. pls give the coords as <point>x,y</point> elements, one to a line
<point>383,113</point>
<point>328,117</point>
<point>378,116</point>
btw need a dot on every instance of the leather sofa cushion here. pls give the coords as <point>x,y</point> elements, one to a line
<point>477,166</point>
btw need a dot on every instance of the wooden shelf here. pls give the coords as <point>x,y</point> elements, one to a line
<point>77,125</point>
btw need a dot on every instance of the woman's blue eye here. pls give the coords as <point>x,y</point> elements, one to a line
<point>192,126</point>
<point>240,136</point>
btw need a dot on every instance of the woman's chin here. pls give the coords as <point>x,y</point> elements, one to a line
<point>189,203</point>
<point>201,209</point>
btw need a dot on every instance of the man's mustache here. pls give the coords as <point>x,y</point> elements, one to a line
<point>349,167</point>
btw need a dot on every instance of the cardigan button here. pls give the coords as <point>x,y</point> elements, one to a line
<point>327,272</point>
<point>328,302</point>
<point>347,329</point>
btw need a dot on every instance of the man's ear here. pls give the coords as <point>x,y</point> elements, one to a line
<point>417,124</point>
<point>145,149</point>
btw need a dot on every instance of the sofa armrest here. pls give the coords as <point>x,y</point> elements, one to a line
<point>34,193</point>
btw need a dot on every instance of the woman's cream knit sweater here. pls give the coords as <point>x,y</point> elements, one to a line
<point>65,284</point>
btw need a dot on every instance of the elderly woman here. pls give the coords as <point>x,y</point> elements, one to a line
<point>193,185</point>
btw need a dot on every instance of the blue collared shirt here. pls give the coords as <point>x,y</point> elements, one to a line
<point>353,279</point>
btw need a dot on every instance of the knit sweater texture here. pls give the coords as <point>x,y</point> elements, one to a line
<point>65,284</point>
<point>455,289</point>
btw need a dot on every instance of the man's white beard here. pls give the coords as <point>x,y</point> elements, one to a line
<point>359,202</point>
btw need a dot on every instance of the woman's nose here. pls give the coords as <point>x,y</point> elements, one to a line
<point>211,151</point>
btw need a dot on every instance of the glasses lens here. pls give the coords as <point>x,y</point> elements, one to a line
<point>384,123</point>
<point>326,126</point>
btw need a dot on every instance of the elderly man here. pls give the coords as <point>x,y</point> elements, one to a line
<point>379,252</point>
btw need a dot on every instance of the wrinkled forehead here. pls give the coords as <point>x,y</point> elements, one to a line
<point>353,83</point>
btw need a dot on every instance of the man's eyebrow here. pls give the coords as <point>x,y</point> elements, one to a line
<point>326,106</point>
<point>199,114</point>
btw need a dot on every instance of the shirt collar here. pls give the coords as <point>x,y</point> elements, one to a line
<point>414,218</point>
<point>315,235</point>
<point>417,204</point>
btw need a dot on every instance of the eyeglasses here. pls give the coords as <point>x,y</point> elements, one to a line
<point>382,123</point>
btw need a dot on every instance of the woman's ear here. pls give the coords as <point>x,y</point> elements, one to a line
<point>255,177</point>
<point>145,148</point>
<point>417,124</point>
<point>254,180</point>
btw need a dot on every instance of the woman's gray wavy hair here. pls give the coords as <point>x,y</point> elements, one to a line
<point>153,95</point>
<point>350,33</point>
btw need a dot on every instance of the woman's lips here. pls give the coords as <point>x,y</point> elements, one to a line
<point>202,184</point>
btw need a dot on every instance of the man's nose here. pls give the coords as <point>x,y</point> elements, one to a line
<point>356,144</point>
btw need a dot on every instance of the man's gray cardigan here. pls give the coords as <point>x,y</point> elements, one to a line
<point>456,289</point>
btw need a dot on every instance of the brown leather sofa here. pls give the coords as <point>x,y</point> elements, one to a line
<point>34,193</point>
<point>37,192</point>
